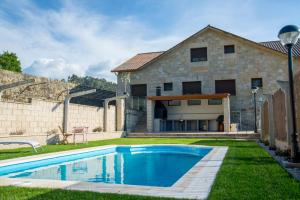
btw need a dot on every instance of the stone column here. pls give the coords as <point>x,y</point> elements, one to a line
<point>120,103</point>
<point>150,114</point>
<point>105,119</point>
<point>284,85</point>
<point>269,98</point>
<point>226,104</point>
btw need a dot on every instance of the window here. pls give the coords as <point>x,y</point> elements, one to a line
<point>228,49</point>
<point>193,102</point>
<point>256,82</point>
<point>199,54</point>
<point>214,101</point>
<point>158,91</point>
<point>139,90</point>
<point>193,87</point>
<point>225,86</point>
<point>174,103</point>
<point>168,86</point>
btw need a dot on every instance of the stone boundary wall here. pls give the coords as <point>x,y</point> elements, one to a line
<point>37,119</point>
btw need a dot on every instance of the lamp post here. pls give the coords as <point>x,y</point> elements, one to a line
<point>288,36</point>
<point>254,91</point>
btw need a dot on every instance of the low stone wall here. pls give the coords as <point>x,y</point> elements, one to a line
<point>40,120</point>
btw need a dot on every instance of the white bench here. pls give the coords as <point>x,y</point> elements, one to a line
<point>33,144</point>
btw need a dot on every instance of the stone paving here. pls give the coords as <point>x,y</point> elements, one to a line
<point>195,184</point>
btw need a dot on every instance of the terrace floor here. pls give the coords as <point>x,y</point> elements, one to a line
<point>247,172</point>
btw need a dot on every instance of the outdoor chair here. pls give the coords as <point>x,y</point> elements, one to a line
<point>75,132</point>
<point>65,136</point>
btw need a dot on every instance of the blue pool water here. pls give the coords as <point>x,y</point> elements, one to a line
<point>134,165</point>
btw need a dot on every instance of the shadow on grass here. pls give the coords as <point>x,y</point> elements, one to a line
<point>85,195</point>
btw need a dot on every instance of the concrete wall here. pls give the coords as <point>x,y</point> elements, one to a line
<point>248,61</point>
<point>36,119</point>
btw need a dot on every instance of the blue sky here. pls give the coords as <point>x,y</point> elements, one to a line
<point>56,38</point>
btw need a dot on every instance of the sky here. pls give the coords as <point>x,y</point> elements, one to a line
<point>58,38</point>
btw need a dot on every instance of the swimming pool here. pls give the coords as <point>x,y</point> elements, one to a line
<point>151,165</point>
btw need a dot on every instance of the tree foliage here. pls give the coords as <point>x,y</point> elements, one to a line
<point>98,83</point>
<point>9,61</point>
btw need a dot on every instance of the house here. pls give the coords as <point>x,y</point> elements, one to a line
<point>204,83</point>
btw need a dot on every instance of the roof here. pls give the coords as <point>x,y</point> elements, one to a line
<point>137,61</point>
<point>143,59</point>
<point>277,46</point>
<point>94,99</point>
<point>192,96</point>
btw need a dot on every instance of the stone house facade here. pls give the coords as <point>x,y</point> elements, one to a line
<point>231,64</point>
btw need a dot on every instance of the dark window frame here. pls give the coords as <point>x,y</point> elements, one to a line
<point>196,54</point>
<point>158,91</point>
<point>186,87</point>
<point>229,49</point>
<point>211,102</point>
<point>174,101</point>
<point>220,88</point>
<point>139,90</point>
<point>194,100</point>
<point>256,79</point>
<point>168,86</point>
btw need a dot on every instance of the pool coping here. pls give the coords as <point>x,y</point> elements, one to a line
<point>196,183</point>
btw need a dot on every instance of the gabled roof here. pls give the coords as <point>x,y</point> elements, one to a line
<point>277,46</point>
<point>136,61</point>
<point>143,59</point>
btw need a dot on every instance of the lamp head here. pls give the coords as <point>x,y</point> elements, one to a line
<point>288,35</point>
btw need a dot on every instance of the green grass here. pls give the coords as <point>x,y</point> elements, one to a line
<point>248,172</point>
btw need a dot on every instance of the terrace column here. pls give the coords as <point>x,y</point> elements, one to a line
<point>105,124</point>
<point>226,104</point>
<point>120,114</point>
<point>150,114</point>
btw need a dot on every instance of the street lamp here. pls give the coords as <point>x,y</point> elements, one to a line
<point>254,91</point>
<point>288,36</point>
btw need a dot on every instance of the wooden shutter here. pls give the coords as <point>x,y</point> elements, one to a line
<point>139,90</point>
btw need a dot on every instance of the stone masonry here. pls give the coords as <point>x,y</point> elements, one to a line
<point>250,60</point>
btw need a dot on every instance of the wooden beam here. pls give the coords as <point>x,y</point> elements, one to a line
<point>188,97</point>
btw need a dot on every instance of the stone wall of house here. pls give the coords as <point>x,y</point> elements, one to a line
<point>265,122</point>
<point>248,61</point>
<point>43,88</point>
<point>40,120</point>
<point>297,102</point>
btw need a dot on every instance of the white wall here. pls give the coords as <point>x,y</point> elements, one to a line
<point>190,112</point>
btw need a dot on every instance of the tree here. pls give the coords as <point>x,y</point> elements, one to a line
<point>98,83</point>
<point>9,61</point>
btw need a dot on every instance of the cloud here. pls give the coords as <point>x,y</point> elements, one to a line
<point>56,43</point>
<point>49,67</point>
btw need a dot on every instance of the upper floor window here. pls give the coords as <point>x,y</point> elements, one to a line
<point>193,87</point>
<point>229,49</point>
<point>138,90</point>
<point>158,91</point>
<point>256,82</point>
<point>199,54</point>
<point>225,86</point>
<point>168,86</point>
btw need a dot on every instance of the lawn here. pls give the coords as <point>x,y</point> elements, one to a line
<point>248,172</point>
